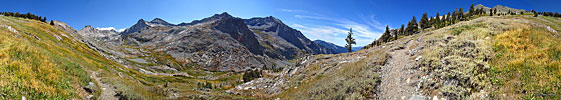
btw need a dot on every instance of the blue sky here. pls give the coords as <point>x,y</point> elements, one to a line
<point>327,20</point>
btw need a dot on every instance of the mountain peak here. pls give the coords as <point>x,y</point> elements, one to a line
<point>498,6</point>
<point>222,15</point>
<point>480,6</point>
<point>140,21</point>
<point>262,20</point>
<point>157,20</point>
<point>225,14</point>
<point>213,17</point>
<point>88,27</point>
<point>505,9</point>
<point>136,27</point>
<point>160,21</point>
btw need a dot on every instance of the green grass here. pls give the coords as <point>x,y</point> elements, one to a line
<point>519,57</point>
<point>45,68</point>
<point>527,63</point>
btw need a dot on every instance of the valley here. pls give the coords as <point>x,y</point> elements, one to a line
<point>480,56</point>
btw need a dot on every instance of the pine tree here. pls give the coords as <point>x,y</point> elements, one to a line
<point>432,21</point>
<point>386,36</point>
<point>437,20</point>
<point>460,15</point>
<point>424,21</point>
<point>535,14</point>
<point>52,23</point>
<point>454,17</point>
<point>401,31</point>
<point>350,40</point>
<point>471,11</point>
<point>491,10</point>
<point>412,26</point>
<point>448,19</point>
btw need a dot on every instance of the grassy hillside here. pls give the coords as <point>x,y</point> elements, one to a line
<point>527,60</point>
<point>40,61</point>
<point>507,57</point>
<point>34,63</point>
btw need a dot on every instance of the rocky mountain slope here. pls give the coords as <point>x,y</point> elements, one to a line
<point>500,9</point>
<point>289,42</point>
<point>220,43</point>
<point>338,49</point>
<point>468,60</point>
<point>150,60</point>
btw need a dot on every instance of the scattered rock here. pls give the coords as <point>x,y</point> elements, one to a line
<point>551,29</point>
<point>90,96</point>
<point>90,88</point>
<point>12,29</point>
<point>56,36</point>
<point>418,97</point>
<point>418,58</point>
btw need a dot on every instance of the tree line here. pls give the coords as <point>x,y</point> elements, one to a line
<point>28,15</point>
<point>438,21</point>
<point>550,14</point>
<point>494,11</point>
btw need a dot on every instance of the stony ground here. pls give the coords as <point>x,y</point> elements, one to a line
<point>398,77</point>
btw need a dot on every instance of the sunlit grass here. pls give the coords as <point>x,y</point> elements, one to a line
<point>528,62</point>
<point>36,68</point>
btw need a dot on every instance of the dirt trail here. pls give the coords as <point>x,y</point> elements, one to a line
<point>398,79</point>
<point>107,91</point>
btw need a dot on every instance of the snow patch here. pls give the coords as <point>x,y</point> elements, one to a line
<point>105,28</point>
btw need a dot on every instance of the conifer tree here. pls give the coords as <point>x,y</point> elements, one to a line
<point>350,41</point>
<point>448,22</point>
<point>491,12</point>
<point>386,36</point>
<point>454,17</point>
<point>431,21</point>
<point>52,23</point>
<point>424,21</point>
<point>437,20</point>
<point>412,26</point>
<point>535,14</point>
<point>460,15</point>
<point>471,11</point>
<point>401,31</point>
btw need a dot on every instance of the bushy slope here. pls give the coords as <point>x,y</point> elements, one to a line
<point>39,61</point>
<point>506,57</point>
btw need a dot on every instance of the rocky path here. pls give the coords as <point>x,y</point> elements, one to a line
<point>107,91</point>
<point>398,79</point>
